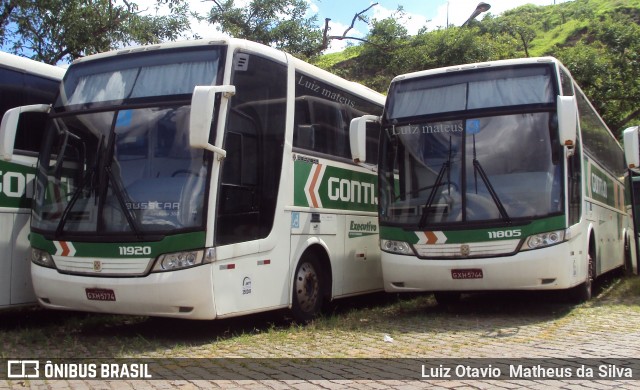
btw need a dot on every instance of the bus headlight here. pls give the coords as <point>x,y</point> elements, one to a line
<point>398,247</point>
<point>542,240</point>
<point>42,258</point>
<point>178,260</point>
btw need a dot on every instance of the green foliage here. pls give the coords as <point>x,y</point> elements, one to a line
<point>598,40</point>
<point>606,63</point>
<point>329,60</point>
<point>61,30</point>
<point>278,23</point>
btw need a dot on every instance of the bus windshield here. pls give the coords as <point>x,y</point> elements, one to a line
<point>116,156</point>
<point>490,154</point>
<point>121,79</point>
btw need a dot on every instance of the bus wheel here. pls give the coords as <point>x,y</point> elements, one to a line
<point>307,290</point>
<point>583,292</point>
<point>447,297</point>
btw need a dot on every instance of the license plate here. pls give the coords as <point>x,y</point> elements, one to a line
<point>100,294</point>
<point>472,273</point>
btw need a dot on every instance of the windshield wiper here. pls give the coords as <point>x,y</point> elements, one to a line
<point>477,169</point>
<point>84,179</point>
<point>432,194</point>
<point>131,219</point>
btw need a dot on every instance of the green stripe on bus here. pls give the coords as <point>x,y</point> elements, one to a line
<point>477,235</point>
<point>173,243</point>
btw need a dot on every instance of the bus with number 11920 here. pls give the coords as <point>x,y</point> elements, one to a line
<point>497,176</point>
<point>201,180</point>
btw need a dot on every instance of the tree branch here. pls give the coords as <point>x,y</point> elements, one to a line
<point>326,38</point>
<point>627,119</point>
<point>357,16</point>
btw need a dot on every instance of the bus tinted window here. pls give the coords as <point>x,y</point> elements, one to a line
<point>31,126</point>
<point>597,139</point>
<point>120,79</point>
<point>322,117</point>
<point>19,89</point>
<point>465,91</point>
<point>12,85</point>
<point>566,83</point>
<point>254,143</point>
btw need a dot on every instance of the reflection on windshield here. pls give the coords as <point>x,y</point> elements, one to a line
<point>485,169</point>
<point>124,171</point>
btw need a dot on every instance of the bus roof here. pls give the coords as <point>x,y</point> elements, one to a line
<point>477,65</point>
<point>27,65</point>
<point>235,43</point>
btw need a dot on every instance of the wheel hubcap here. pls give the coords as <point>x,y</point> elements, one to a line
<point>307,287</point>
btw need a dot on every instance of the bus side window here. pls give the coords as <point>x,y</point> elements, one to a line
<point>575,186</point>
<point>254,142</point>
<point>12,85</point>
<point>566,83</point>
<point>34,90</point>
<point>373,132</point>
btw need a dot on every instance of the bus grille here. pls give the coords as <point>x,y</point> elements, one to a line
<point>464,251</point>
<point>101,266</point>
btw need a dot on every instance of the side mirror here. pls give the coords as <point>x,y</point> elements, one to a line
<point>567,120</point>
<point>9,126</point>
<point>631,147</point>
<point>202,105</point>
<point>358,137</point>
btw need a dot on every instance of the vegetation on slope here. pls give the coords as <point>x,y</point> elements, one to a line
<point>598,40</point>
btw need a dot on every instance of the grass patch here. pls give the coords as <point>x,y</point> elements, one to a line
<point>352,327</point>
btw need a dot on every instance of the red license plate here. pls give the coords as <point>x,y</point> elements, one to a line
<point>472,273</point>
<point>100,294</point>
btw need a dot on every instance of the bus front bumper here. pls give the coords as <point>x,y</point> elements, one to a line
<point>186,293</point>
<point>542,269</point>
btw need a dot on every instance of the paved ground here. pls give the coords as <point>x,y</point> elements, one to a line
<point>389,345</point>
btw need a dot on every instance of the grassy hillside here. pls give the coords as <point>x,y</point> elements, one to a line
<point>598,40</point>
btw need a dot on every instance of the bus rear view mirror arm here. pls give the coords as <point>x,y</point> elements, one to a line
<point>9,127</point>
<point>202,106</point>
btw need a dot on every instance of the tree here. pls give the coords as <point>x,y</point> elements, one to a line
<point>383,55</point>
<point>606,65</point>
<point>521,23</point>
<point>56,31</point>
<point>278,23</point>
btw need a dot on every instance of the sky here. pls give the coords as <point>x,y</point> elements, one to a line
<point>419,13</point>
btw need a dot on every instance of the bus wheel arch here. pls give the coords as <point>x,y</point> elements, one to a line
<point>311,283</point>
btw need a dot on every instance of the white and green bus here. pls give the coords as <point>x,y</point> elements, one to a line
<point>631,140</point>
<point>497,176</point>
<point>203,180</point>
<point>23,82</point>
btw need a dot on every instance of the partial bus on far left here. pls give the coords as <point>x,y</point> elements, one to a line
<point>24,83</point>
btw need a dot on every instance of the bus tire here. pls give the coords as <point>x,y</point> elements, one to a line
<point>308,288</point>
<point>583,292</point>
<point>445,298</point>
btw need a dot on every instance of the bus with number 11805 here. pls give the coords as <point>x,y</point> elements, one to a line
<point>497,176</point>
